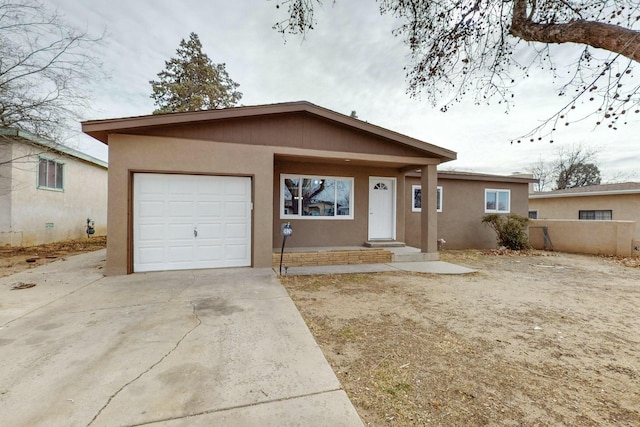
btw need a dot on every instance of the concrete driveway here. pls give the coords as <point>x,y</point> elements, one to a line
<point>197,348</point>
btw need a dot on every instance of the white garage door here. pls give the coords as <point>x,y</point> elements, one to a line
<point>190,221</point>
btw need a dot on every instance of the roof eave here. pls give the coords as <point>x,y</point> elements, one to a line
<point>100,129</point>
<point>63,149</point>
<point>584,194</point>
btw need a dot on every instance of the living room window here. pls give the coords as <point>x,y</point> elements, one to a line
<point>497,200</point>
<point>316,197</point>
<point>416,198</point>
<point>50,174</point>
<point>596,215</point>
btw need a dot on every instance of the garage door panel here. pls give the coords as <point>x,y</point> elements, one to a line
<point>151,209</point>
<point>236,231</point>
<point>210,252</point>
<point>207,210</point>
<point>236,252</point>
<point>167,210</point>
<point>179,184</point>
<point>236,188</point>
<point>151,255</point>
<point>235,210</point>
<point>180,209</point>
<point>180,253</point>
<point>151,232</point>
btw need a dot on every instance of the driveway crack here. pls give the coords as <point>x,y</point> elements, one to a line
<point>150,368</point>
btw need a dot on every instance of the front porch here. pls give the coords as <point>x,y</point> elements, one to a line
<point>347,255</point>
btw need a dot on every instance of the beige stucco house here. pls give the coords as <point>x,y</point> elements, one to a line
<point>48,191</point>
<point>211,188</point>
<point>596,219</point>
<point>463,198</point>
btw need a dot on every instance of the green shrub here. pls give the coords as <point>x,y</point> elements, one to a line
<point>511,230</point>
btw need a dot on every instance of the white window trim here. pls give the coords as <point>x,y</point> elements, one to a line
<point>534,210</point>
<point>39,186</point>
<point>413,200</point>
<point>316,218</point>
<point>497,190</point>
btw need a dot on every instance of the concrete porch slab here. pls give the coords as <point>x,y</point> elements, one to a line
<point>431,267</point>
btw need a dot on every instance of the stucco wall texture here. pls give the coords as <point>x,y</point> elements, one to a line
<point>623,207</point>
<point>459,223</point>
<point>32,215</point>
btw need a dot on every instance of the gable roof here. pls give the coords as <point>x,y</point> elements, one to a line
<point>591,190</point>
<point>29,138</point>
<point>100,129</point>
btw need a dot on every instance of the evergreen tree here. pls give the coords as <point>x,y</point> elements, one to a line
<point>192,82</point>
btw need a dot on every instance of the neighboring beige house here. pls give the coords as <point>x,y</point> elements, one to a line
<point>463,198</point>
<point>48,191</point>
<point>606,217</point>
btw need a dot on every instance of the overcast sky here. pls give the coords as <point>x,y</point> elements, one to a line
<point>350,62</point>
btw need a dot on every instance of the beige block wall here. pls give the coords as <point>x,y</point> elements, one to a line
<point>129,154</point>
<point>462,210</point>
<point>5,192</point>
<point>43,216</point>
<point>625,207</point>
<point>585,237</point>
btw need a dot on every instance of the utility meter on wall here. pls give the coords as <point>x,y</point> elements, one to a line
<point>286,230</point>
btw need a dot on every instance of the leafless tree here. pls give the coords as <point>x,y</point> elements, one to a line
<point>574,167</point>
<point>46,66</point>
<point>543,172</point>
<point>476,48</point>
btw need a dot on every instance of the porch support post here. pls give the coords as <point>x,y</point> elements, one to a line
<point>429,214</point>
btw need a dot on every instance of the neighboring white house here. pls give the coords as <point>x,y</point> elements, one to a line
<point>48,191</point>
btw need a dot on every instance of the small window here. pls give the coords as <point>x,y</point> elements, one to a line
<point>316,197</point>
<point>50,174</point>
<point>533,214</point>
<point>380,186</point>
<point>602,215</point>
<point>416,199</point>
<point>497,201</point>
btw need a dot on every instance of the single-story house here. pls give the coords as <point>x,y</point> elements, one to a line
<point>606,202</point>
<point>463,198</point>
<point>212,188</point>
<point>48,191</point>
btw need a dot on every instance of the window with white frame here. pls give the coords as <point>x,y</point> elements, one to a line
<point>50,174</point>
<point>316,197</point>
<point>497,201</point>
<point>416,198</point>
<point>533,214</point>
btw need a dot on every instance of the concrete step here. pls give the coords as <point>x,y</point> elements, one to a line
<point>383,244</point>
<point>410,257</point>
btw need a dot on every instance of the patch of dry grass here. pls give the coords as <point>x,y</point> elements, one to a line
<point>409,355</point>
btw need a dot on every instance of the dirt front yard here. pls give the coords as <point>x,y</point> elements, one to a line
<point>545,339</point>
<point>16,259</point>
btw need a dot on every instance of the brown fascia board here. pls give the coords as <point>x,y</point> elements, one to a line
<point>100,129</point>
<point>472,176</point>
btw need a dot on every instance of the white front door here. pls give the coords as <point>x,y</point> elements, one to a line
<point>191,221</point>
<point>382,208</point>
